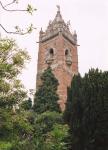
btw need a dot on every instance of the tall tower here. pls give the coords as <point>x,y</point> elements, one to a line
<point>58,49</point>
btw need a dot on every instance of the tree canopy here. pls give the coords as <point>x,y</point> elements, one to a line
<point>15,127</point>
<point>12,61</point>
<point>87,111</point>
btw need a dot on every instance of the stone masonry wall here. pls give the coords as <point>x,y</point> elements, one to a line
<point>63,72</point>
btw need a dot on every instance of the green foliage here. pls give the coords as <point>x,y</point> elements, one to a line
<point>15,125</point>
<point>27,104</point>
<point>5,145</point>
<point>45,121</point>
<point>74,112</point>
<point>6,126</point>
<point>30,9</point>
<point>95,115</point>
<point>46,96</point>
<point>15,129</point>
<point>86,111</point>
<point>12,61</point>
<point>20,127</point>
<point>49,131</point>
<point>73,98</point>
<point>56,138</point>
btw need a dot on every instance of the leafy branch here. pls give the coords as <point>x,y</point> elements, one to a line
<point>29,8</point>
<point>20,31</point>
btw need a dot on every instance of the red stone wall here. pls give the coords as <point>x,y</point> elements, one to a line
<point>62,71</point>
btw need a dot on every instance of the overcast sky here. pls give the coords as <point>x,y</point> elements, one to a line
<point>88,17</point>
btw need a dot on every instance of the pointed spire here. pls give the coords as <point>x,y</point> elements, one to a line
<point>56,26</point>
<point>58,17</point>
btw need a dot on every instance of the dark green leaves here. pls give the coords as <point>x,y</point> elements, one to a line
<point>87,111</point>
<point>46,96</point>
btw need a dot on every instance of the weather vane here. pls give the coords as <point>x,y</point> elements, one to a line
<point>58,7</point>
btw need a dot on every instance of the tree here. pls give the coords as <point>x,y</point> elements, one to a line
<point>46,96</point>
<point>73,113</point>
<point>88,117</point>
<point>73,96</point>
<point>15,127</point>
<point>26,104</point>
<point>95,103</point>
<point>12,61</point>
<point>50,131</point>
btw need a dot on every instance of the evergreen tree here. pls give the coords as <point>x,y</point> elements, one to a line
<point>46,96</point>
<point>49,129</point>
<point>95,114</point>
<point>88,115</point>
<point>73,113</point>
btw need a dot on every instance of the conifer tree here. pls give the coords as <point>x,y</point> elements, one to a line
<point>48,115</point>
<point>95,105</point>
<point>87,111</point>
<point>46,96</point>
<point>73,113</point>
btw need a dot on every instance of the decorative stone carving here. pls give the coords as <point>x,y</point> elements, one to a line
<point>58,26</point>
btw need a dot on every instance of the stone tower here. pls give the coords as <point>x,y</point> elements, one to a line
<point>58,49</point>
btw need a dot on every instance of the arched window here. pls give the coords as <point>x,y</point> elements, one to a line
<point>66,52</point>
<point>51,51</point>
<point>68,57</point>
<point>50,56</point>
